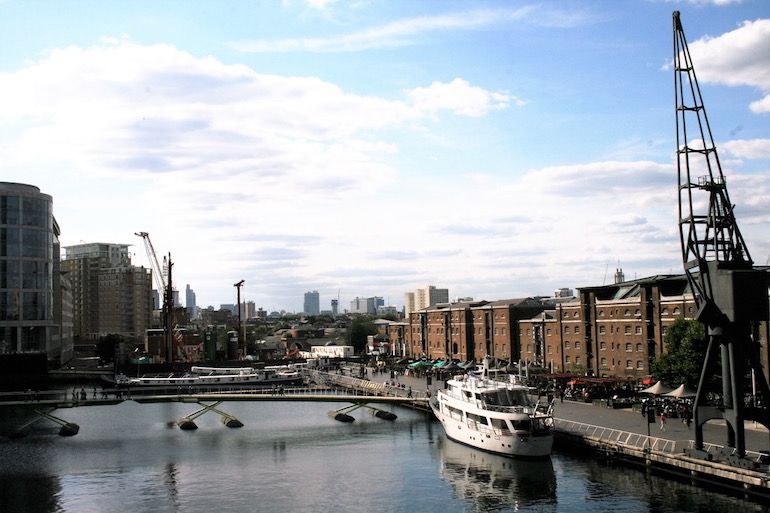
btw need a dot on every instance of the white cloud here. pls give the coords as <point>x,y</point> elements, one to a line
<point>748,149</point>
<point>737,58</point>
<point>460,98</point>
<point>760,106</point>
<point>399,33</point>
<point>204,156</point>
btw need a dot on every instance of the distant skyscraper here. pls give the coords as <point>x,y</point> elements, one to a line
<point>192,307</point>
<point>335,307</point>
<point>312,303</point>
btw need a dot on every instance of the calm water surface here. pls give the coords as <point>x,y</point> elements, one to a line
<point>292,457</point>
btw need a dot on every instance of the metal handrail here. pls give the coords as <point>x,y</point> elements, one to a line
<point>624,438</point>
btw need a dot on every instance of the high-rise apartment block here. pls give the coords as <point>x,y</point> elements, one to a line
<point>110,296</point>
<point>424,298</point>
<point>312,304</point>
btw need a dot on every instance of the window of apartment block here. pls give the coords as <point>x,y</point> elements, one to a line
<point>577,345</point>
<point>628,348</point>
<point>529,332</point>
<point>639,364</point>
<point>639,348</point>
<point>495,331</point>
<point>602,345</point>
<point>638,330</point>
<point>566,330</point>
<point>577,330</point>
<point>566,344</point>
<point>550,350</point>
<point>529,348</point>
<point>603,362</point>
<point>629,364</point>
<point>577,360</point>
<point>502,331</point>
<point>602,330</point>
<point>628,330</point>
<point>548,332</point>
<point>566,359</point>
<point>628,312</point>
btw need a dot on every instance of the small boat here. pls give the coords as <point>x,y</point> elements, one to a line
<point>216,377</point>
<point>495,416</point>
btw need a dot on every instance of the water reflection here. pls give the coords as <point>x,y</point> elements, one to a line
<point>495,482</point>
<point>31,494</point>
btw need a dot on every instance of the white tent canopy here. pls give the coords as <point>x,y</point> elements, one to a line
<point>657,389</point>
<point>681,391</point>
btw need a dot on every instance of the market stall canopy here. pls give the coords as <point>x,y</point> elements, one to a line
<point>681,391</point>
<point>420,363</point>
<point>657,389</point>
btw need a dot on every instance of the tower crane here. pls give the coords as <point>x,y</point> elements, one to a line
<point>171,329</point>
<point>730,294</point>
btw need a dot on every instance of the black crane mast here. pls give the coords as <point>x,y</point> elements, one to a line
<point>731,295</point>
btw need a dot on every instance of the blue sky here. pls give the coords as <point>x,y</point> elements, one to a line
<point>499,149</point>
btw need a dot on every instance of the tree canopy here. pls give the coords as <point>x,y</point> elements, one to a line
<point>685,343</point>
<point>360,328</point>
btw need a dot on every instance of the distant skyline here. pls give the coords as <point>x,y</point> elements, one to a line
<point>497,148</point>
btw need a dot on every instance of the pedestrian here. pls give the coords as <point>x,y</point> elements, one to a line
<point>687,416</point>
<point>663,421</point>
<point>409,393</point>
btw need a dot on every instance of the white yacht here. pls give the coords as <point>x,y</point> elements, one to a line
<point>495,416</point>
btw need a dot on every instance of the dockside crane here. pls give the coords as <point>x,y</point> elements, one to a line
<point>730,294</point>
<point>171,330</point>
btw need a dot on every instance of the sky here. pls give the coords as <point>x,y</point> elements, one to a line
<point>499,149</point>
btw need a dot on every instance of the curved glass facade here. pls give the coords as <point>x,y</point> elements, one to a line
<point>26,268</point>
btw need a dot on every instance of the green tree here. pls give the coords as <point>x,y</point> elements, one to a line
<point>685,343</point>
<point>360,328</point>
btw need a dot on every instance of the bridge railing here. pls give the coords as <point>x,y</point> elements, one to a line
<point>364,386</point>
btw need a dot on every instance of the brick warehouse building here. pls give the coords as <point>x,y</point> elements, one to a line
<point>612,330</point>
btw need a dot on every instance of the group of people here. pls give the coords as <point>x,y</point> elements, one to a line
<point>668,409</point>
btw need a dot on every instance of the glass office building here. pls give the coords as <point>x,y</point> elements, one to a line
<point>28,240</point>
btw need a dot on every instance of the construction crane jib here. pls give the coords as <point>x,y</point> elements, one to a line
<point>157,270</point>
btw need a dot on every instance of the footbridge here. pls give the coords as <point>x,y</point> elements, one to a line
<point>41,406</point>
